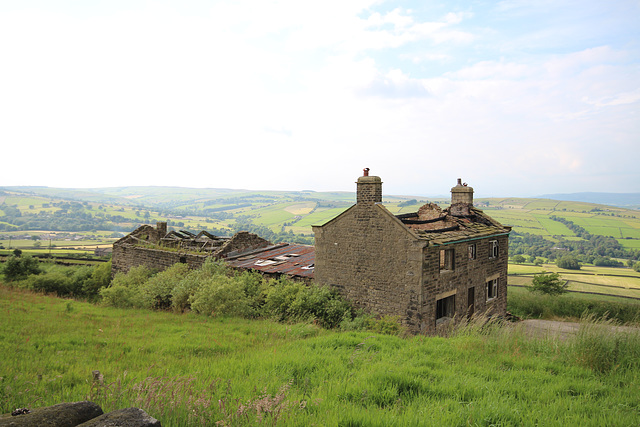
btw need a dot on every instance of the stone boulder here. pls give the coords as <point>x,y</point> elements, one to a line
<point>129,417</point>
<point>61,415</point>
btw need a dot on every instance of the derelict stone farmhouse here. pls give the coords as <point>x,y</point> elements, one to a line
<point>428,268</point>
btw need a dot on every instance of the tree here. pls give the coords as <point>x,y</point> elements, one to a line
<point>537,262</point>
<point>18,267</point>
<point>518,259</point>
<point>568,262</point>
<point>548,283</point>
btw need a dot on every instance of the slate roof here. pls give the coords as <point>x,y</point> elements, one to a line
<point>283,258</point>
<point>446,228</point>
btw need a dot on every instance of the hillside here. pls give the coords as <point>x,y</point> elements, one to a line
<point>31,212</point>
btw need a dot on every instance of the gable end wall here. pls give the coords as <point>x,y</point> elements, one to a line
<point>373,261</point>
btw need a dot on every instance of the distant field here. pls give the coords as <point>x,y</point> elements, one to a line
<point>126,208</point>
<point>600,280</point>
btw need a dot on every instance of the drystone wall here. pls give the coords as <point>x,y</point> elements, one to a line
<point>126,256</point>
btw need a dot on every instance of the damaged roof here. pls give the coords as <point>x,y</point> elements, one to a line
<point>456,223</point>
<point>283,258</point>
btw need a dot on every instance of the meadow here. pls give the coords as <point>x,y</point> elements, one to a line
<point>187,369</point>
<point>123,209</point>
<point>599,280</point>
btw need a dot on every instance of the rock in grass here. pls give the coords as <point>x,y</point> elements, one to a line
<point>61,415</point>
<point>129,417</point>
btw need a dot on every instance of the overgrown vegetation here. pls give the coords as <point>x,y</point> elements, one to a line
<point>188,369</point>
<point>216,290</point>
<point>213,290</point>
<point>527,304</point>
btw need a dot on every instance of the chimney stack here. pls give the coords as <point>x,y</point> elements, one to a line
<point>161,229</point>
<point>369,189</point>
<point>462,193</point>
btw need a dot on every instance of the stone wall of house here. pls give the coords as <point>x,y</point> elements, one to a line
<point>126,256</point>
<point>467,273</point>
<point>372,260</point>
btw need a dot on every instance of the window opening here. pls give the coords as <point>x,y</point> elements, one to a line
<point>445,308</point>
<point>493,249</point>
<point>492,289</point>
<point>447,260</point>
<point>472,251</point>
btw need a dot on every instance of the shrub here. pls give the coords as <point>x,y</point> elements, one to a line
<point>221,296</point>
<point>157,292</point>
<point>100,278</point>
<point>189,284</point>
<point>52,282</point>
<point>124,289</point>
<point>548,283</point>
<point>17,267</point>
<point>288,300</point>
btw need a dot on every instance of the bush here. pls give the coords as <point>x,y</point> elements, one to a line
<point>125,288</point>
<point>52,282</point>
<point>221,296</point>
<point>157,292</point>
<point>17,267</point>
<point>295,301</point>
<point>100,278</point>
<point>189,284</point>
<point>548,283</point>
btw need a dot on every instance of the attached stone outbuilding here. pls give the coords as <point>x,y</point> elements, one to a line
<point>429,267</point>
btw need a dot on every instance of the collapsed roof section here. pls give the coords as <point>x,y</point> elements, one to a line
<point>204,241</point>
<point>243,250</point>
<point>454,224</point>
<point>201,242</point>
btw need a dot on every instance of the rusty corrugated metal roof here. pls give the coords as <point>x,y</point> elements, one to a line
<point>284,258</point>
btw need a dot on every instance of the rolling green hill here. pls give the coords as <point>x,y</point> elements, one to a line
<point>278,215</point>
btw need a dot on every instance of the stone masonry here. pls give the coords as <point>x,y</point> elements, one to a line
<point>143,247</point>
<point>429,268</point>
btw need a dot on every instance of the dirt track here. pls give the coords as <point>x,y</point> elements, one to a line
<point>563,330</point>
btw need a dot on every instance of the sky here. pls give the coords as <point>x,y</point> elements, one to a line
<point>516,97</point>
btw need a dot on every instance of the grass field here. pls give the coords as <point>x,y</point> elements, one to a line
<point>273,209</point>
<point>600,280</point>
<point>191,370</point>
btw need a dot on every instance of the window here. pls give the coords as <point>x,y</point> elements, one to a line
<point>492,289</point>
<point>472,251</point>
<point>445,308</point>
<point>493,249</point>
<point>447,260</point>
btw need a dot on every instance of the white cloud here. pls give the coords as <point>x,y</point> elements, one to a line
<point>278,94</point>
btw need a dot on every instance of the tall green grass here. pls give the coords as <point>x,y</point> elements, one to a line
<point>188,369</point>
<point>525,304</point>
